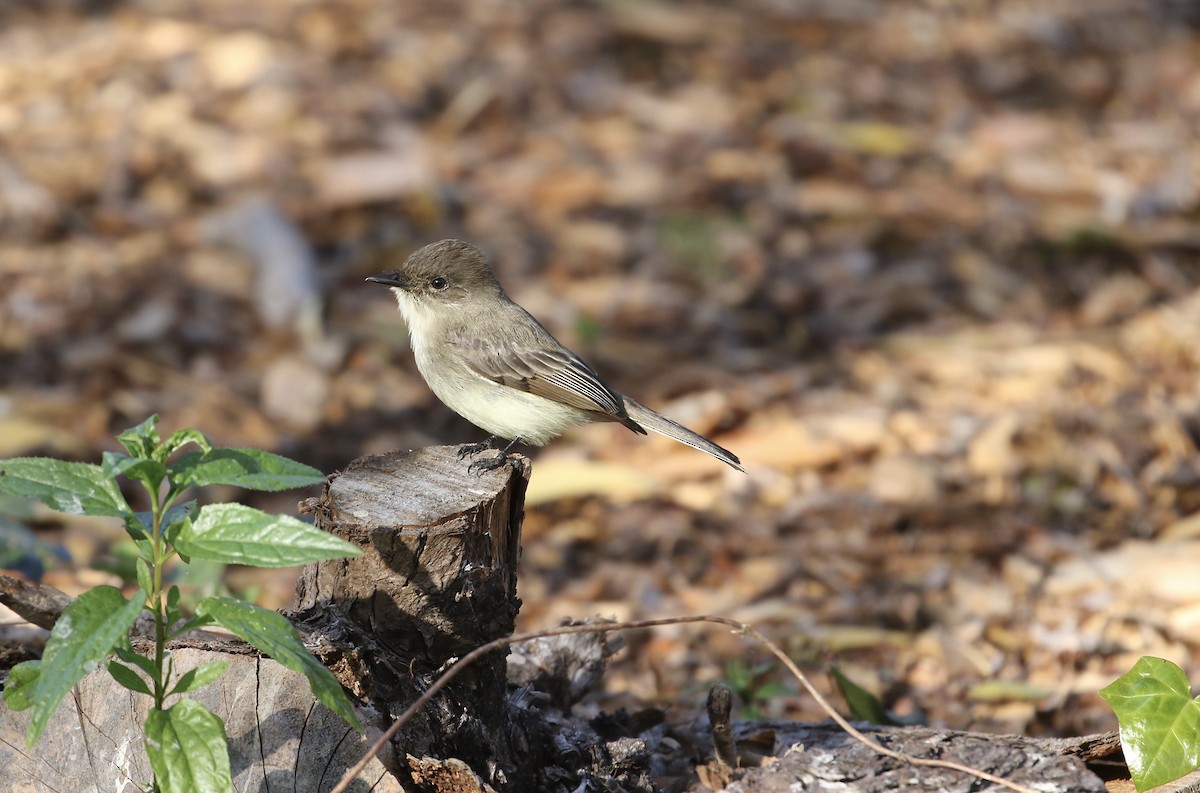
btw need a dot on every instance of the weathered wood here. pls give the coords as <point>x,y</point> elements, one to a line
<point>823,757</point>
<point>437,578</point>
<point>279,738</point>
<point>39,603</point>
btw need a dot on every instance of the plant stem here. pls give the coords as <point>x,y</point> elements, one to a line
<point>155,598</point>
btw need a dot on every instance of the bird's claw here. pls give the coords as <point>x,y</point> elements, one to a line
<point>486,464</point>
<point>468,449</point>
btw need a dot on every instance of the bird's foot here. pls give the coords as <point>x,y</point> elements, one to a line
<point>468,449</point>
<point>485,464</point>
<point>489,463</point>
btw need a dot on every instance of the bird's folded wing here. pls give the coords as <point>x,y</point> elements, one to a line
<point>550,372</point>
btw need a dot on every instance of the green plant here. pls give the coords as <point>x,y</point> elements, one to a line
<point>185,742</point>
<point>862,704</point>
<point>752,685</point>
<point>1159,720</point>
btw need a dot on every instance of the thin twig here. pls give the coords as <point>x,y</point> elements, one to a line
<point>739,627</point>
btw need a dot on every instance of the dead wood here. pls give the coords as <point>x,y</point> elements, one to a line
<point>437,578</point>
<point>822,757</point>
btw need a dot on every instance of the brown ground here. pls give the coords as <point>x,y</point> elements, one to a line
<point>929,268</point>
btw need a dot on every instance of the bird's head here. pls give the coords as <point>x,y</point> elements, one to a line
<point>447,272</point>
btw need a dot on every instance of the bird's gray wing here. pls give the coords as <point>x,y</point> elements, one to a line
<point>542,366</point>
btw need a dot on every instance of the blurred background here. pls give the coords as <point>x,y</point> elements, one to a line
<point>930,268</point>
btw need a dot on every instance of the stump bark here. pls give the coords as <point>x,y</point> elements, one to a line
<point>437,579</point>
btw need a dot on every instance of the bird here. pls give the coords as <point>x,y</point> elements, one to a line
<point>493,363</point>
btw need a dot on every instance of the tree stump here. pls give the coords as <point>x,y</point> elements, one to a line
<point>437,578</point>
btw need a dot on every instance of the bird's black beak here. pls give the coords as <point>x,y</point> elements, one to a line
<point>389,279</point>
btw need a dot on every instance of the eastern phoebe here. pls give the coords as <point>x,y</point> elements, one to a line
<point>495,365</point>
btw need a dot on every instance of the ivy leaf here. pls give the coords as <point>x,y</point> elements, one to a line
<point>1159,721</point>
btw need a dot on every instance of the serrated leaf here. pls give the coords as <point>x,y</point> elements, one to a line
<point>130,656</point>
<point>140,441</point>
<point>252,469</point>
<point>22,679</point>
<point>74,488</point>
<point>128,678</point>
<point>238,534</point>
<point>179,439</point>
<point>1159,721</point>
<point>82,636</point>
<point>274,636</point>
<point>114,464</point>
<point>199,677</point>
<point>187,749</point>
<point>150,472</point>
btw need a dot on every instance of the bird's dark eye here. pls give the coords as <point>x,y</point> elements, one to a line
<point>439,283</point>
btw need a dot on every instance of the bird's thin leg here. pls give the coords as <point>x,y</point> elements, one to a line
<point>492,463</point>
<point>468,449</point>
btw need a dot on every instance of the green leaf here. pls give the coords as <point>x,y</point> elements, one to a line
<point>176,518</point>
<point>137,526</point>
<point>1159,720</point>
<point>187,750</point>
<point>129,656</point>
<point>128,678</point>
<point>173,605</point>
<point>252,469</point>
<point>195,623</point>
<point>141,441</point>
<point>114,464</point>
<point>273,635</point>
<point>238,534</point>
<point>149,472</point>
<point>144,578</point>
<point>84,633</point>
<point>179,439</point>
<point>199,677</point>
<point>863,705</point>
<point>738,675</point>
<point>22,679</point>
<point>74,488</point>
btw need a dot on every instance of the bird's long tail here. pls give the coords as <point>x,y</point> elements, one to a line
<point>656,422</point>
